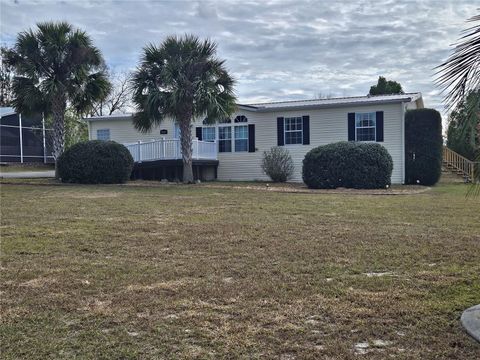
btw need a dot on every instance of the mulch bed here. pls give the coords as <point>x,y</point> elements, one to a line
<point>281,188</point>
<point>398,190</point>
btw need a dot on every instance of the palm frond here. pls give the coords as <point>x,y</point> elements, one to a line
<point>95,87</point>
<point>179,78</point>
<point>58,60</point>
<point>28,98</point>
<point>460,73</point>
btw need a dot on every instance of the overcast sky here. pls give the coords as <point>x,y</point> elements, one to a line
<point>277,50</point>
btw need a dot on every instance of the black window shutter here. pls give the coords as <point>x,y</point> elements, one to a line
<point>306,130</point>
<point>280,134</point>
<point>251,138</point>
<point>379,119</point>
<point>351,126</point>
<point>198,132</point>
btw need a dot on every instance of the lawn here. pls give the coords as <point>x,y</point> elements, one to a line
<point>204,272</point>
<point>26,167</point>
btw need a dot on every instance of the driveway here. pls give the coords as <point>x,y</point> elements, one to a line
<point>27,174</point>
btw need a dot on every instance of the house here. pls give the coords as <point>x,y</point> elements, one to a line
<point>23,138</point>
<point>232,149</point>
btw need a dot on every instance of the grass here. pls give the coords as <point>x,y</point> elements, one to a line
<point>200,272</point>
<point>27,167</point>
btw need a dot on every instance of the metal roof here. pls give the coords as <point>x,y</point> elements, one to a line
<point>305,104</point>
<point>334,102</point>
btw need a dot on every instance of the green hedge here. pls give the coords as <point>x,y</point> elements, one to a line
<point>348,164</point>
<point>95,162</point>
<point>423,146</point>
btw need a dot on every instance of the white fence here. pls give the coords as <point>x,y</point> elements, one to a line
<point>170,149</point>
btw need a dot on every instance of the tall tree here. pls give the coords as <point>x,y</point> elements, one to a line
<point>182,79</point>
<point>56,66</point>
<point>459,75</point>
<point>386,87</point>
<point>462,133</point>
<point>119,98</point>
<point>6,77</point>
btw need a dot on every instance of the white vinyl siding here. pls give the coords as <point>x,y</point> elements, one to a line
<point>326,126</point>
<point>123,131</point>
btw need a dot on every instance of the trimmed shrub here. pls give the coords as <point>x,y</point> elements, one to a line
<point>348,164</point>
<point>95,162</point>
<point>423,146</point>
<point>278,164</point>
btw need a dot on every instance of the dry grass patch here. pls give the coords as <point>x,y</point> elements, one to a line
<point>210,272</point>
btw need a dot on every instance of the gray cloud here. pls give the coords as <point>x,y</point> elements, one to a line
<point>275,49</point>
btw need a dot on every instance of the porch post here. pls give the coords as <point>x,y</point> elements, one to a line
<point>164,147</point>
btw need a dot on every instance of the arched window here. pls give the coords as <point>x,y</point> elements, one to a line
<point>241,119</point>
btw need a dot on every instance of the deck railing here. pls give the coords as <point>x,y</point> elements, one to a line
<point>170,149</point>
<point>459,164</point>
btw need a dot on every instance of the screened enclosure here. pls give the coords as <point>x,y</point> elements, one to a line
<point>24,139</point>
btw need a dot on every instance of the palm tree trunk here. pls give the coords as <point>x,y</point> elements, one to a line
<point>58,112</point>
<point>186,144</point>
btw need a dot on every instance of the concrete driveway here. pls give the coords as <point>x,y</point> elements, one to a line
<point>27,174</point>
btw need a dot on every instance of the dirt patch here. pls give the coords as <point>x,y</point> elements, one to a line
<point>103,307</point>
<point>95,195</point>
<point>173,285</point>
<point>39,282</point>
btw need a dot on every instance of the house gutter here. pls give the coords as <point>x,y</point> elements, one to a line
<point>119,117</point>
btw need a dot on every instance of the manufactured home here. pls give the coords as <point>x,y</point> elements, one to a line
<point>232,149</point>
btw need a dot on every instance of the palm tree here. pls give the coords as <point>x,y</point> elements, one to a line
<point>55,66</point>
<point>459,75</point>
<point>181,79</point>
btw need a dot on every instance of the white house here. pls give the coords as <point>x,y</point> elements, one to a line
<point>236,145</point>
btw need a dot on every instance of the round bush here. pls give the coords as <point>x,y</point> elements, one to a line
<point>348,164</point>
<point>95,162</point>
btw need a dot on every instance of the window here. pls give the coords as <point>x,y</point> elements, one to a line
<point>293,130</point>
<point>241,138</point>
<point>225,139</point>
<point>365,127</point>
<point>208,134</point>
<point>103,134</point>
<point>176,131</point>
<point>241,119</point>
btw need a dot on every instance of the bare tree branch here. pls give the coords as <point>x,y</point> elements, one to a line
<point>119,99</point>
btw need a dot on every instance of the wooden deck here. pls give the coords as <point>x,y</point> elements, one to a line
<point>172,170</point>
